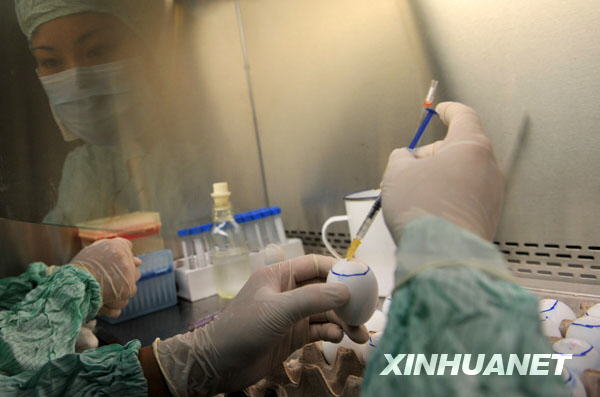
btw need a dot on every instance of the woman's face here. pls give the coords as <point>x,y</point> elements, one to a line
<point>82,40</point>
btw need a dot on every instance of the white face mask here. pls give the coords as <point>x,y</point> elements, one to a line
<point>92,102</point>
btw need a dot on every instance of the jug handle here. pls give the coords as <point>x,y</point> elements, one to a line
<point>333,219</point>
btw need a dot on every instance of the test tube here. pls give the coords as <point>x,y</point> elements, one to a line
<point>192,260</point>
<point>200,257</point>
<point>261,223</point>
<point>271,227</point>
<point>195,246</point>
<point>201,245</point>
<point>279,225</point>
<point>255,226</point>
<point>185,252</point>
<point>246,221</point>
<point>207,244</point>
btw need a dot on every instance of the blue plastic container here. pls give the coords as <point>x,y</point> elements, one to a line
<point>155,288</point>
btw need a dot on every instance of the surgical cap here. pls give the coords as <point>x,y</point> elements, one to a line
<point>138,15</point>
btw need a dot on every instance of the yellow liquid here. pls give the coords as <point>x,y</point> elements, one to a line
<point>231,271</point>
<point>353,247</point>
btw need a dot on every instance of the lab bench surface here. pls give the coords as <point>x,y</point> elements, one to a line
<point>161,324</point>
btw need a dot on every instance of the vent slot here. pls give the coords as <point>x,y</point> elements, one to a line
<point>552,261</point>
<point>530,259</point>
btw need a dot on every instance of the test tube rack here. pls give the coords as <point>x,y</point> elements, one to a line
<point>267,242</point>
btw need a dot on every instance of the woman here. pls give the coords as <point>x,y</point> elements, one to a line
<point>101,81</point>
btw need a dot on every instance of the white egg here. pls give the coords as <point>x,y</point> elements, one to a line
<point>584,355</point>
<point>387,302</point>
<point>377,322</point>
<point>550,328</point>
<point>371,345</point>
<point>594,310</point>
<point>330,349</point>
<point>555,310</point>
<point>361,282</point>
<point>573,383</point>
<point>586,328</point>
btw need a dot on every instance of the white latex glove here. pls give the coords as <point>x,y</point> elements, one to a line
<point>281,308</point>
<point>86,339</point>
<point>113,265</point>
<point>457,178</point>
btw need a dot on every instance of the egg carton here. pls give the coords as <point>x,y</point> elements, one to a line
<point>579,304</point>
<point>307,373</point>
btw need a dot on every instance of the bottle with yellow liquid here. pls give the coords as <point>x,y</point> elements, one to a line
<point>229,251</point>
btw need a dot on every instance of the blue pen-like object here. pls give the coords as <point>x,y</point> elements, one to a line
<point>421,129</point>
<point>364,227</point>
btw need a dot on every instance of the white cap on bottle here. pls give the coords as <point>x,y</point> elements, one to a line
<point>221,194</point>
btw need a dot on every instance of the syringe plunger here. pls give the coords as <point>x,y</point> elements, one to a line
<point>430,94</point>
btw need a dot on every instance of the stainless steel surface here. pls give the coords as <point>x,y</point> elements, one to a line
<point>337,86</point>
<point>314,112</point>
<point>541,118</point>
<point>533,85</point>
<point>22,243</point>
<point>223,136</point>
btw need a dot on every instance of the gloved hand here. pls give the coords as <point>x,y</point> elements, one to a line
<point>281,308</point>
<point>457,178</point>
<point>113,265</point>
<point>86,339</point>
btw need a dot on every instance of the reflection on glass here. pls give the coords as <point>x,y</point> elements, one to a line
<point>95,61</point>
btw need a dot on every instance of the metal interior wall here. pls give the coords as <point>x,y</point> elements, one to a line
<point>337,86</point>
<point>344,87</point>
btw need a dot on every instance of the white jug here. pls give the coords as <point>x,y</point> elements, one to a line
<point>378,248</point>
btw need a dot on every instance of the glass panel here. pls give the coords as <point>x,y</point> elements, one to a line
<point>114,109</point>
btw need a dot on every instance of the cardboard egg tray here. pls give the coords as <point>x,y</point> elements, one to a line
<point>306,373</point>
<point>591,377</point>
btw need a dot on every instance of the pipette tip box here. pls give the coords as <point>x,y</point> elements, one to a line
<point>156,288</point>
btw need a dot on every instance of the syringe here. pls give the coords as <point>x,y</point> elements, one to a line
<point>364,227</point>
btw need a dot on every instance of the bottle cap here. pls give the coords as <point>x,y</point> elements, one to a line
<point>220,189</point>
<point>221,195</point>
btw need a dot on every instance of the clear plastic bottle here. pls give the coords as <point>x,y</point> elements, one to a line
<point>229,252</point>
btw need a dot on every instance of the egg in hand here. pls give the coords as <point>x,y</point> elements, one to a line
<point>361,283</point>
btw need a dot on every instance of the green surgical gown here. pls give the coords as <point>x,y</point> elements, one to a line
<point>454,294</point>
<point>40,317</point>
